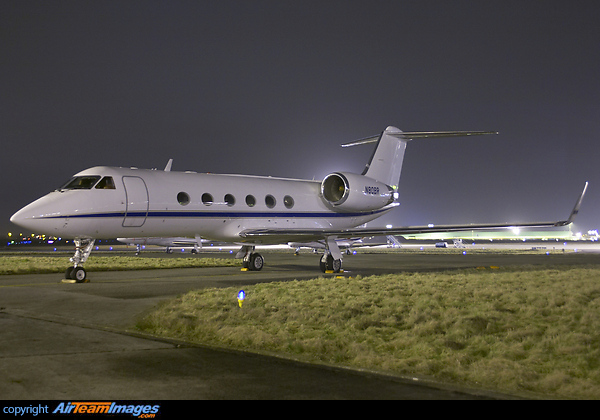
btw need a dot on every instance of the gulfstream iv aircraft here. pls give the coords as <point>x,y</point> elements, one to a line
<point>108,202</point>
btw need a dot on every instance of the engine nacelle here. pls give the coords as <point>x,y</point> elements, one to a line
<point>355,193</point>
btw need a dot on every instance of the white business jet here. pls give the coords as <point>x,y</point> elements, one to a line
<point>109,202</point>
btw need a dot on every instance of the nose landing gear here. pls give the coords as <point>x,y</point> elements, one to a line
<point>83,249</point>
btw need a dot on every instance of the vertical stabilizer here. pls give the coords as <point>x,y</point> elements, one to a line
<point>386,163</point>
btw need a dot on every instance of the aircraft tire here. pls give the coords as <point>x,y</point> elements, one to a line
<point>78,274</point>
<point>336,266</point>
<point>68,273</point>
<point>327,263</point>
<point>256,262</point>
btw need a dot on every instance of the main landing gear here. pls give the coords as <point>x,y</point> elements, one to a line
<point>328,264</point>
<point>83,249</point>
<point>252,261</point>
<point>331,261</point>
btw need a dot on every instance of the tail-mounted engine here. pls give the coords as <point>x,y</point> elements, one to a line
<point>351,192</point>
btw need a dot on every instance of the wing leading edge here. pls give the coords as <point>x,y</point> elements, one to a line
<point>300,235</point>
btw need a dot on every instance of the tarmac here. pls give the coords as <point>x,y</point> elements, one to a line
<point>78,342</point>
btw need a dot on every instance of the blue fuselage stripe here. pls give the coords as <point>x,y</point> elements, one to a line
<point>206,214</point>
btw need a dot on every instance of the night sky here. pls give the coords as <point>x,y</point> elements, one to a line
<point>274,88</point>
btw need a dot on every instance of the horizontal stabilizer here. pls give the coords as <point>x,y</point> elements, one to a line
<point>409,135</point>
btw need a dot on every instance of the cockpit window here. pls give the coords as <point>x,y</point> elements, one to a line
<point>81,183</point>
<point>107,183</point>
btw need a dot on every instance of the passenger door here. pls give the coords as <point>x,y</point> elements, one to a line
<point>136,204</point>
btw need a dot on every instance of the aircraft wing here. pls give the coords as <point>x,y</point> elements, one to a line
<point>300,235</point>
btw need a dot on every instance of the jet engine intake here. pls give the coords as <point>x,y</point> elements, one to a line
<point>350,192</point>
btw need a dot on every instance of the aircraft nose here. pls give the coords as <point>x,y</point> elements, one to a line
<point>32,215</point>
<point>21,217</point>
<point>15,218</point>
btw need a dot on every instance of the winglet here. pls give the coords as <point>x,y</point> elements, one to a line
<point>575,209</point>
<point>169,164</point>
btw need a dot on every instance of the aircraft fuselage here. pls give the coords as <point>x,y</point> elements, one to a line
<point>154,203</point>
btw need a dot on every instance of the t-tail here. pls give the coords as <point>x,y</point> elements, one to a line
<point>377,187</point>
<point>386,163</point>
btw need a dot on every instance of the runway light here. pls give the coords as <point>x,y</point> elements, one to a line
<point>240,297</point>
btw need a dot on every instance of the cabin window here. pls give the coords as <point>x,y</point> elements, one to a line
<point>81,183</point>
<point>183,198</point>
<point>288,202</point>
<point>229,200</point>
<point>250,200</point>
<point>270,201</point>
<point>107,183</point>
<point>207,199</point>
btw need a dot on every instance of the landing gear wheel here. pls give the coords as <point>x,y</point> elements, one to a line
<point>252,261</point>
<point>337,266</point>
<point>256,262</point>
<point>78,274</point>
<point>328,263</point>
<point>83,248</point>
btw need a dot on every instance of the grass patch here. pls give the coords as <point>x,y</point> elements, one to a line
<point>57,264</point>
<point>511,330</point>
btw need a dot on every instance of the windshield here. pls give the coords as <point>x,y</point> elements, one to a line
<point>107,183</point>
<point>81,183</point>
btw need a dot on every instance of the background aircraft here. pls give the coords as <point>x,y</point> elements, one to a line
<point>168,243</point>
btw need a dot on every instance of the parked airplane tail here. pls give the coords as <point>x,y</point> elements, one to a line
<point>386,163</point>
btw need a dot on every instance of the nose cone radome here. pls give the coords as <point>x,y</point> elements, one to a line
<point>25,217</point>
<point>17,217</point>
<point>35,216</point>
